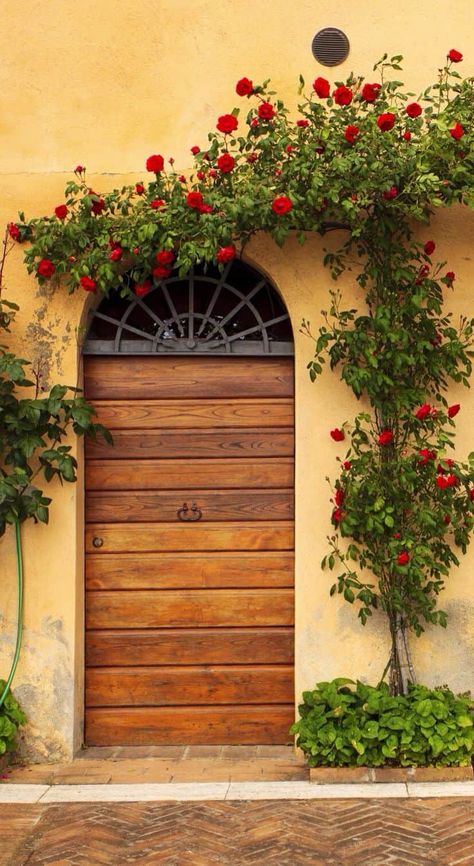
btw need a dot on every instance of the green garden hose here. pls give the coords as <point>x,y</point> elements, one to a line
<point>19,631</point>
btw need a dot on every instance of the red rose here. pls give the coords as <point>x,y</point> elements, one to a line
<point>61,211</point>
<point>321,88</point>
<point>226,163</point>
<point>252,157</point>
<point>337,515</point>
<point>266,111</point>
<point>457,131</point>
<point>391,193</point>
<point>161,272</point>
<point>116,254</point>
<point>351,133</point>
<point>385,122</point>
<point>407,136</point>
<point>165,257</point>
<point>155,163</point>
<point>200,175</point>
<point>429,247</point>
<point>157,203</point>
<point>337,434</point>
<point>370,92</point>
<point>46,268</point>
<point>447,519</point>
<point>451,480</point>
<point>79,169</point>
<point>403,557</point>
<point>142,289</point>
<point>450,277</point>
<point>340,496</point>
<point>14,231</point>
<point>212,172</point>
<point>98,204</point>
<point>244,87</point>
<point>87,284</point>
<point>471,495</point>
<point>194,199</point>
<point>426,455</point>
<point>397,535</point>
<point>281,205</point>
<point>386,437</point>
<point>441,482</point>
<point>423,412</point>
<point>413,109</point>
<point>139,188</point>
<point>347,465</point>
<point>182,178</point>
<point>205,208</point>
<point>227,123</point>
<point>136,250</point>
<point>225,254</point>
<point>195,150</point>
<point>454,56</point>
<point>302,123</point>
<point>289,148</point>
<point>342,95</point>
<point>453,410</point>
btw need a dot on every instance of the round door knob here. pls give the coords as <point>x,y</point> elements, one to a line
<point>97,541</point>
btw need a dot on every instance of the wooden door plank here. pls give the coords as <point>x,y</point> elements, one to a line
<point>151,378</point>
<point>195,414</point>
<point>147,444</point>
<point>184,686</point>
<point>134,726</point>
<point>189,570</point>
<point>189,608</point>
<point>190,646</point>
<point>115,506</point>
<point>244,535</point>
<point>181,474</point>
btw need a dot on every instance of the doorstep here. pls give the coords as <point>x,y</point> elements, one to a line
<point>166,764</point>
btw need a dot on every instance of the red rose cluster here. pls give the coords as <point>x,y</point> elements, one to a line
<point>227,123</point>
<point>244,87</point>
<point>225,254</point>
<point>155,163</point>
<point>370,92</point>
<point>88,284</point>
<point>46,268</point>
<point>281,205</point>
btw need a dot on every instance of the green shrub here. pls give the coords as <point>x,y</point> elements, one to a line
<point>11,717</point>
<point>347,724</point>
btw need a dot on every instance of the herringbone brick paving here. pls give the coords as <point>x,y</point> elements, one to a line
<point>263,833</point>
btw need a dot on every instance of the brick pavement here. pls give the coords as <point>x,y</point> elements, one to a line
<point>282,833</point>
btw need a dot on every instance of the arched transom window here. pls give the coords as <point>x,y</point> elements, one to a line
<point>234,312</point>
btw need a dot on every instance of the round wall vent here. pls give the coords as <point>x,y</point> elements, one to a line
<point>330,46</point>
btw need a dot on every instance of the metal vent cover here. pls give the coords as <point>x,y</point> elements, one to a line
<point>206,312</point>
<point>330,46</point>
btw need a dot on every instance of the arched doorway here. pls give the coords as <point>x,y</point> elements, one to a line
<point>190,516</point>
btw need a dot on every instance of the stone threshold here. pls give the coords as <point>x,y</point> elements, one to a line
<point>206,791</point>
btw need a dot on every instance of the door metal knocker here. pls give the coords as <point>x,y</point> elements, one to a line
<point>189,514</point>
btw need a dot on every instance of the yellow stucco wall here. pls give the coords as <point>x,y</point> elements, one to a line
<point>106,83</point>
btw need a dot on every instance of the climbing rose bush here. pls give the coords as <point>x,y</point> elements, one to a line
<point>366,158</point>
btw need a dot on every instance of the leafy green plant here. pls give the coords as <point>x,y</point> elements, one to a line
<point>32,431</point>
<point>11,718</point>
<point>347,724</point>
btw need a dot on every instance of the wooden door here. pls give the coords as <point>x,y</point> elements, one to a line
<point>189,623</point>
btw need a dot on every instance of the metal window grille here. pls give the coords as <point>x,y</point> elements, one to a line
<point>236,312</point>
